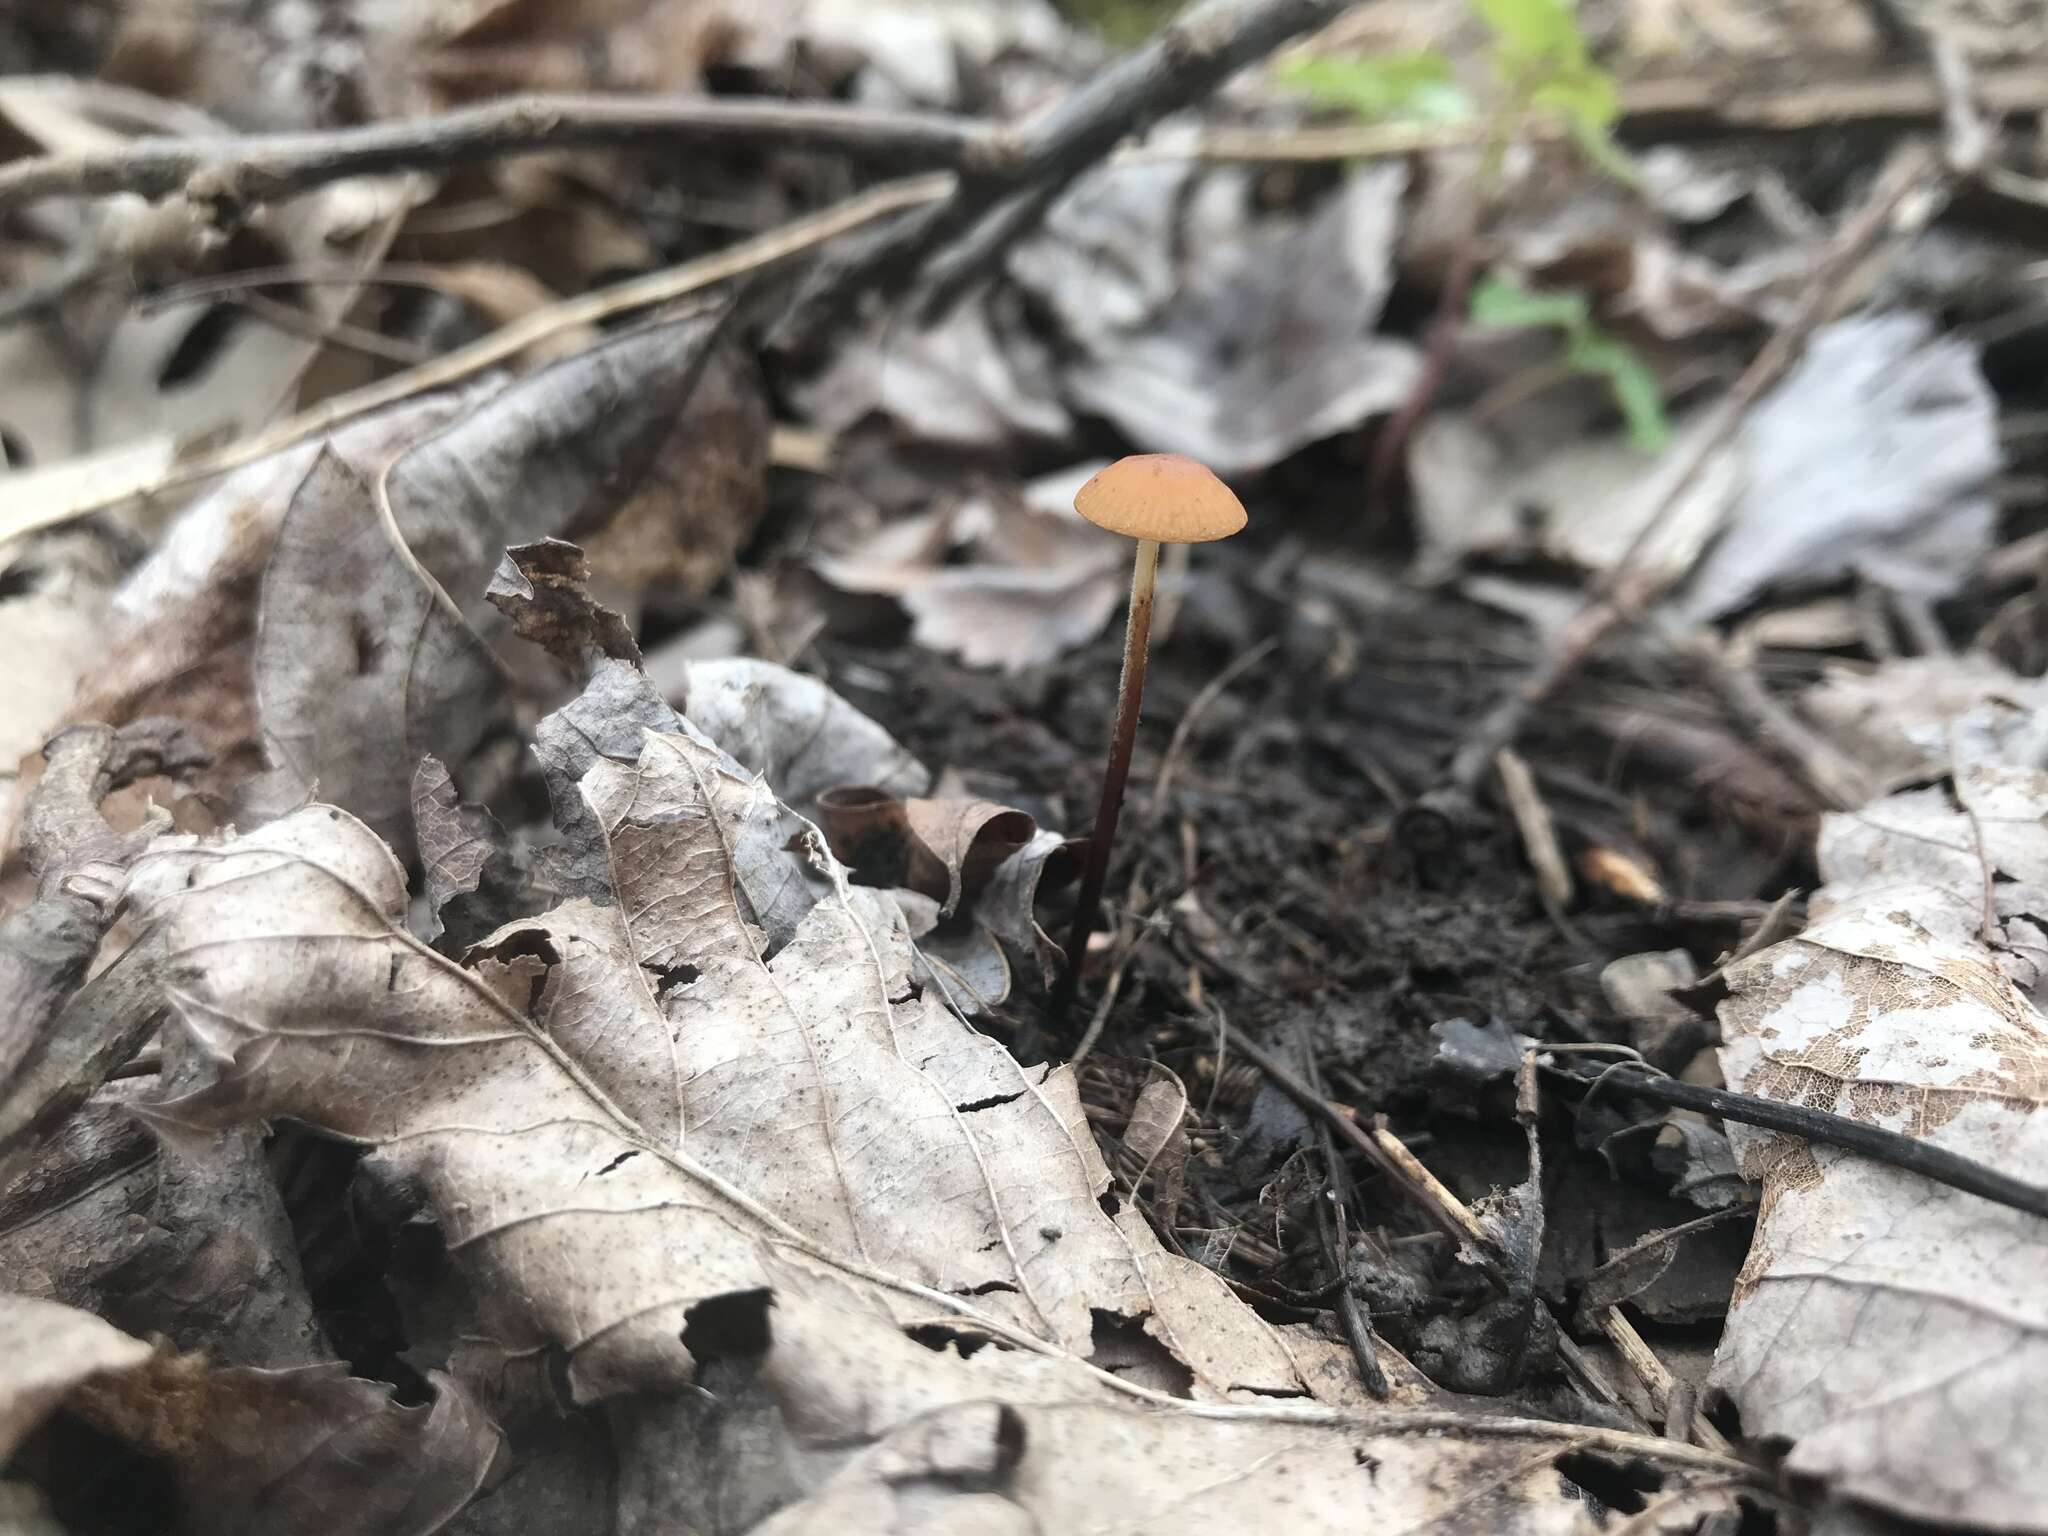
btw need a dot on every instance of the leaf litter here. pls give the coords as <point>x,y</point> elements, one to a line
<point>457,1079</point>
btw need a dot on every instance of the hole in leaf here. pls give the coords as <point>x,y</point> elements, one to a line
<point>733,1326</point>
<point>674,976</point>
<point>1620,1485</point>
<point>200,346</point>
<point>1121,1346</point>
<point>14,449</point>
<point>1110,1203</point>
<point>990,1288</point>
<point>367,645</point>
<point>990,1102</point>
<point>617,1162</point>
<point>939,1338</point>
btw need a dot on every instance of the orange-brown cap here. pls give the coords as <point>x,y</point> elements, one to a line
<point>1160,496</point>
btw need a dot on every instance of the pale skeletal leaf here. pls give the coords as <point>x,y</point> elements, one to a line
<point>1893,1329</point>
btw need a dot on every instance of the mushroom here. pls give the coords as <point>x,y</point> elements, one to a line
<point>1155,498</point>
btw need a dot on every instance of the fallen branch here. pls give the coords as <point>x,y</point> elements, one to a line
<point>1191,57</point>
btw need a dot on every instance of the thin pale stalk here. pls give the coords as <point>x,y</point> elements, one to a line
<point>1123,735</point>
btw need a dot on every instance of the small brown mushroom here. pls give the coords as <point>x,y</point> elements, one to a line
<point>1155,498</point>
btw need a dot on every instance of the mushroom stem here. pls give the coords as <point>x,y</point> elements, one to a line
<point>1130,691</point>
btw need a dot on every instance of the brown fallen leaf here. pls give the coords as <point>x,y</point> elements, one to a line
<point>362,665</point>
<point>542,588</point>
<point>250,1450</point>
<point>942,848</point>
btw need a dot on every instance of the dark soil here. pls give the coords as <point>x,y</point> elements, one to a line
<point>1309,876</point>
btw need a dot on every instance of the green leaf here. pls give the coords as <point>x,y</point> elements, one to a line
<point>1413,87</point>
<point>1500,303</point>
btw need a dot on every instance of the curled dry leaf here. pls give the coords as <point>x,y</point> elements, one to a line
<point>474,881</point>
<point>738,1131</point>
<point>361,665</point>
<point>945,849</point>
<point>251,1450</point>
<point>542,588</point>
<point>1892,1329</point>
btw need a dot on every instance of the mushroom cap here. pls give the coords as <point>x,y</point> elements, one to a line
<point>1162,496</point>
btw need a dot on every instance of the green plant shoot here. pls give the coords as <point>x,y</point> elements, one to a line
<point>1500,303</point>
<point>1541,61</point>
<point>1396,87</point>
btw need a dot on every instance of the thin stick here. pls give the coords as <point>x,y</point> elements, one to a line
<point>1901,1151</point>
<point>1629,586</point>
<point>1657,1379</point>
<point>1439,1205</point>
<point>1330,1226</point>
<point>271,165</point>
<point>255,168</point>
<point>1130,693</point>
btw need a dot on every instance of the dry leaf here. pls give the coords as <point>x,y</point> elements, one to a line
<point>794,731</point>
<point>738,1131</point>
<point>1033,582</point>
<point>1891,1328</point>
<point>252,1451</point>
<point>361,665</point>
<point>1202,329</point>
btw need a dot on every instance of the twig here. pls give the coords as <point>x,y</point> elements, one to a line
<point>1837,779</point>
<point>1539,832</point>
<point>254,168</point>
<point>1656,1378</point>
<point>1817,1125</point>
<point>1352,1316</point>
<point>1189,58</point>
<point>1211,691</point>
<point>1630,585</point>
<point>1439,1205</point>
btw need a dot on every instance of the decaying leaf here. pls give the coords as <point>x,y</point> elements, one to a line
<point>251,1450</point>
<point>474,883</point>
<point>978,378</point>
<point>542,588</point>
<point>794,731</point>
<point>1896,719</point>
<point>943,848</point>
<point>1874,457</point>
<point>1034,580</point>
<point>1203,330</point>
<point>733,1129</point>
<point>362,665</point>
<point>1893,1329</point>
<point>1871,458</point>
